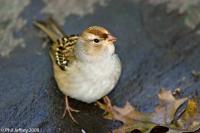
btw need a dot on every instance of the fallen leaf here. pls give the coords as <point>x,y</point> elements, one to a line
<point>189,120</point>
<point>163,116</point>
<point>127,114</point>
<point>165,111</point>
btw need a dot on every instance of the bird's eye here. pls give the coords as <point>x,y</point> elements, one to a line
<point>96,40</point>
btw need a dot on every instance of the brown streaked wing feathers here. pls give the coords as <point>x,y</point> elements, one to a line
<point>63,51</point>
<point>62,48</point>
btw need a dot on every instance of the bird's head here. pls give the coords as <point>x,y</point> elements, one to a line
<point>95,42</point>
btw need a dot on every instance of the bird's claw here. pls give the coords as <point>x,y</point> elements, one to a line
<point>69,110</point>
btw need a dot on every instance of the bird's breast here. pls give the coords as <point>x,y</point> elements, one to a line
<point>89,82</point>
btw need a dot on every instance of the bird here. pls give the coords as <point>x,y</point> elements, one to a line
<point>86,66</point>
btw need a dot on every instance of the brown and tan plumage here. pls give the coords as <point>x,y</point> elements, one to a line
<point>63,51</point>
<point>62,48</point>
<point>86,67</point>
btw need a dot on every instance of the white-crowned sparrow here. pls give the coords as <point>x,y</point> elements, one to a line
<point>86,67</point>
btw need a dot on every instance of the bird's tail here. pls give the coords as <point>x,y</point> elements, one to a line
<point>50,28</point>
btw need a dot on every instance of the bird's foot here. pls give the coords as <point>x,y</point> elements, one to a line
<point>106,100</point>
<point>69,110</point>
<point>106,105</point>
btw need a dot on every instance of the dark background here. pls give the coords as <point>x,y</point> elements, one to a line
<point>156,47</point>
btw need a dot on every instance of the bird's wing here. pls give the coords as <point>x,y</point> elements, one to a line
<point>62,51</point>
<point>62,48</point>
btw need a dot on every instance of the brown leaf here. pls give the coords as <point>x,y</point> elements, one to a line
<point>127,114</point>
<point>165,111</point>
<point>164,115</point>
<point>189,119</point>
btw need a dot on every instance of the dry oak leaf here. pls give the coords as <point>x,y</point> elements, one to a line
<point>128,115</point>
<point>165,111</point>
<point>190,119</point>
<point>164,115</point>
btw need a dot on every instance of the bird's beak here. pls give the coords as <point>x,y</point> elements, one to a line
<point>112,38</point>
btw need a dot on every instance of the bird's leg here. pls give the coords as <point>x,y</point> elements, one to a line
<point>106,105</point>
<point>106,100</point>
<point>69,110</point>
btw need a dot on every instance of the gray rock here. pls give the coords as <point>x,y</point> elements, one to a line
<point>156,49</point>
